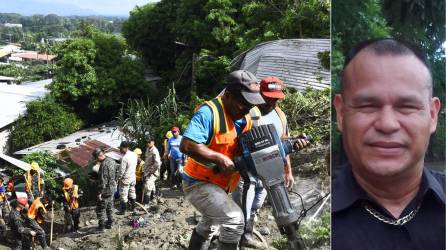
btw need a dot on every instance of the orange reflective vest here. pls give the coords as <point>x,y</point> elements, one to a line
<point>73,199</point>
<point>224,140</point>
<point>256,115</point>
<point>34,208</point>
<point>29,181</point>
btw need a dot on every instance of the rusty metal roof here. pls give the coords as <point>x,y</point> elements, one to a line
<point>81,155</point>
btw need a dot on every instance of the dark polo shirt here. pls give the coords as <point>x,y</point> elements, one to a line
<point>356,229</point>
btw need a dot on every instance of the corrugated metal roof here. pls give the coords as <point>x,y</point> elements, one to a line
<point>13,99</point>
<point>108,135</point>
<point>294,61</point>
<point>81,144</point>
<point>81,155</point>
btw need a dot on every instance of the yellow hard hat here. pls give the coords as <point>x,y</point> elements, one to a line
<point>137,151</point>
<point>34,166</point>
<point>169,134</point>
<point>67,183</point>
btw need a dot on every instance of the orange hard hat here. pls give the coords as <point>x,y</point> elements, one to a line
<point>67,183</point>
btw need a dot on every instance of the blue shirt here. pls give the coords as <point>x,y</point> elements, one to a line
<point>355,228</point>
<point>173,147</point>
<point>201,126</point>
<point>200,130</point>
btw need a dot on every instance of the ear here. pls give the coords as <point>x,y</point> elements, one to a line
<point>339,103</point>
<point>435,108</point>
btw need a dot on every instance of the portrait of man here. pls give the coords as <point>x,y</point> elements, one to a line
<point>385,198</point>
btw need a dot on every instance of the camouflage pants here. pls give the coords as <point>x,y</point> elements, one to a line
<point>72,217</point>
<point>127,191</point>
<point>40,233</point>
<point>105,207</point>
<point>21,241</point>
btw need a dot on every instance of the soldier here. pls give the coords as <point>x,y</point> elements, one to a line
<point>151,169</point>
<point>20,233</point>
<point>34,184</point>
<point>35,218</point>
<point>71,196</point>
<point>106,188</point>
<point>127,177</point>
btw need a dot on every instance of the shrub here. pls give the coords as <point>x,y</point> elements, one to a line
<point>44,120</point>
<point>308,112</point>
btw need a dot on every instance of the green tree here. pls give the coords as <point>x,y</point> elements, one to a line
<point>44,120</point>
<point>95,74</point>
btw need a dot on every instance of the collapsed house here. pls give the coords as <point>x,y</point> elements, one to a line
<point>298,62</point>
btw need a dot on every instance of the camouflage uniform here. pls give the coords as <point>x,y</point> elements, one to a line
<point>21,234</point>
<point>106,188</point>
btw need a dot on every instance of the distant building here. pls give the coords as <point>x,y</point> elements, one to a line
<point>13,25</point>
<point>7,50</point>
<point>32,56</point>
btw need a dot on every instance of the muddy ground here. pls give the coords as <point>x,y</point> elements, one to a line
<point>170,222</point>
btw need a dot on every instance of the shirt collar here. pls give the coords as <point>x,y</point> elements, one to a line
<point>346,191</point>
<point>434,181</point>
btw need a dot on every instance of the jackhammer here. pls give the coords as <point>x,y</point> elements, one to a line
<point>264,155</point>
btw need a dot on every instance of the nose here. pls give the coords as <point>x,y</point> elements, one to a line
<point>387,121</point>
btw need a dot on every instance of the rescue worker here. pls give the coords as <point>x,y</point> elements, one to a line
<point>175,156</point>
<point>139,173</point>
<point>34,184</point>
<point>20,234</point>
<point>151,170</point>
<point>127,178</point>
<point>35,219</point>
<point>210,141</point>
<point>106,181</point>
<point>71,197</point>
<point>271,89</point>
<point>165,167</point>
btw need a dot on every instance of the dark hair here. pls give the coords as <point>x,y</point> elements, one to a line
<point>387,46</point>
<point>150,138</point>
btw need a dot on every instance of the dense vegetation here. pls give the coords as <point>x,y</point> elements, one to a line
<point>410,20</point>
<point>44,120</point>
<point>168,33</point>
<point>36,27</point>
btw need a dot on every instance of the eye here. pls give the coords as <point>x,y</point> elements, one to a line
<point>366,108</point>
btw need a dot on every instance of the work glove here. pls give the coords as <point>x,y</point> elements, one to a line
<point>33,233</point>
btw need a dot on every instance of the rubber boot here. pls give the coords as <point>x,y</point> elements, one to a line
<point>109,224</point>
<point>132,204</point>
<point>196,241</point>
<point>101,227</point>
<point>122,208</point>
<point>248,238</point>
<point>227,246</point>
<point>146,199</point>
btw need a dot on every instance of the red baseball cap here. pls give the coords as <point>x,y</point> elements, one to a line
<point>175,129</point>
<point>272,87</point>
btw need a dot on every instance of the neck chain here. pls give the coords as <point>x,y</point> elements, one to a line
<point>396,222</point>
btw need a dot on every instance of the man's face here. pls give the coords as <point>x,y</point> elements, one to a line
<point>101,156</point>
<point>269,105</point>
<point>237,107</point>
<point>150,144</point>
<point>123,150</point>
<point>386,114</point>
<point>175,134</point>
